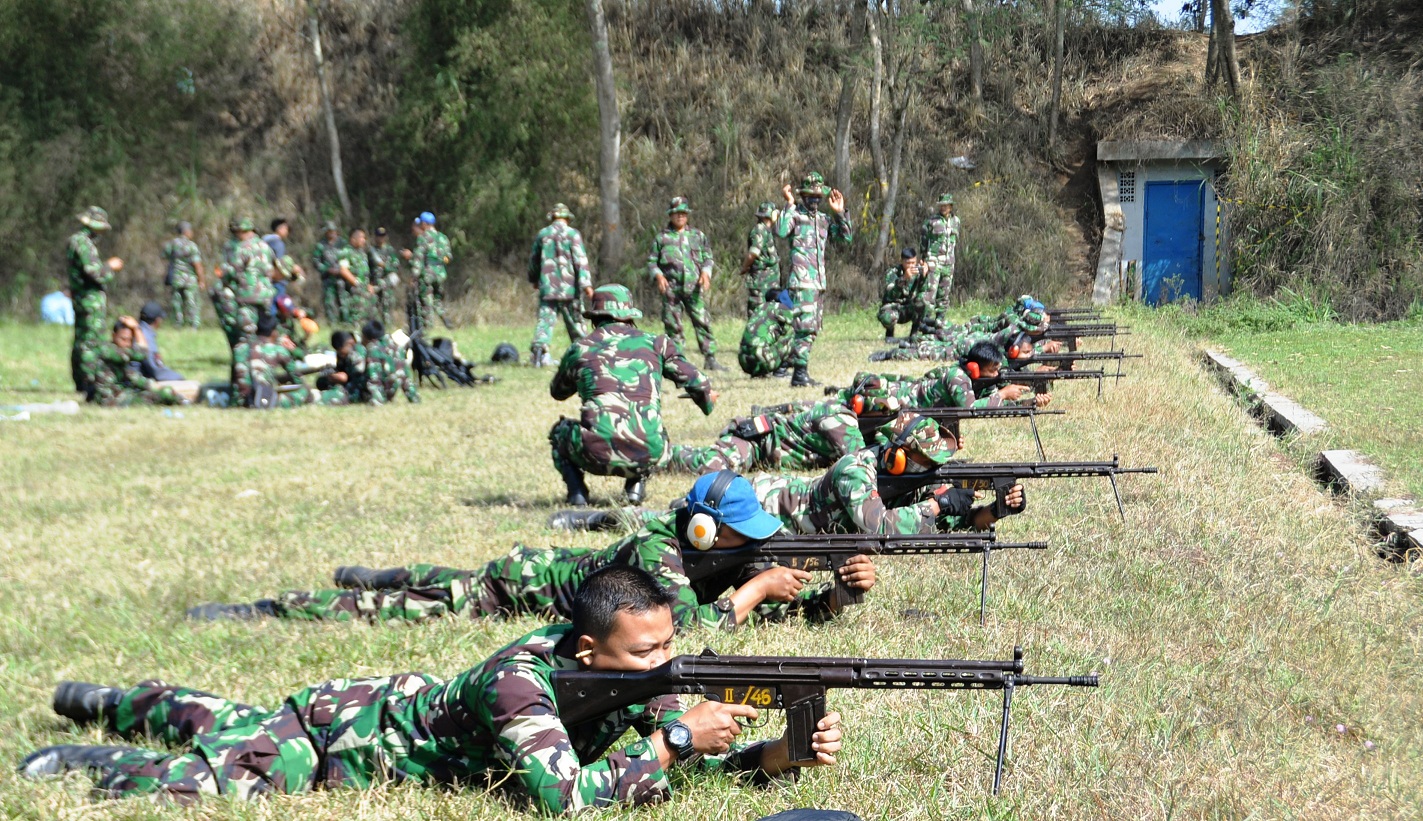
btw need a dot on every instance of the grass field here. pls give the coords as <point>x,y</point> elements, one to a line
<point>1363,379</point>
<point>1237,618</point>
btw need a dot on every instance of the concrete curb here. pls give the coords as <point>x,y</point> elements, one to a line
<point>1399,521</point>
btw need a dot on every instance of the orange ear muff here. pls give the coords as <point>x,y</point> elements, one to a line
<point>973,370</point>
<point>857,404</point>
<point>895,461</point>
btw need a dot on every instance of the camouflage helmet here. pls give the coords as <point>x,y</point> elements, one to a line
<point>612,302</point>
<point>946,199</point>
<point>766,209</point>
<point>505,352</point>
<point>329,227</point>
<point>1032,322</point>
<point>94,218</point>
<point>560,212</point>
<point>813,185</point>
<point>246,224</point>
<point>679,205</point>
<point>920,434</point>
<point>232,225</point>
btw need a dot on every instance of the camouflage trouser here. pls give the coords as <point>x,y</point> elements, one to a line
<point>226,310</point>
<point>247,317</point>
<point>355,309</point>
<point>385,303</point>
<point>728,453</point>
<point>432,295</point>
<point>332,290</point>
<point>185,306</point>
<point>679,296</point>
<point>808,309</point>
<point>894,313</point>
<point>941,283</point>
<point>519,583</point>
<point>570,311</point>
<point>91,318</point>
<point>570,450</point>
<point>127,397</point>
<point>332,397</point>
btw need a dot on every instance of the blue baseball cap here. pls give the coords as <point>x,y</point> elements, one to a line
<point>737,508</point>
<point>427,217</point>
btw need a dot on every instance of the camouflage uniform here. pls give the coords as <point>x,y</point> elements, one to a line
<point>326,260</point>
<point>182,255</point>
<point>224,304</point>
<point>794,437</point>
<point>269,363</point>
<point>938,242</point>
<point>250,279</point>
<point>432,252</point>
<point>385,275</point>
<point>946,387</point>
<point>682,257</point>
<point>558,266</point>
<point>116,380</point>
<point>493,726</point>
<point>904,298</point>
<point>617,371</point>
<point>542,582</point>
<point>386,373</point>
<point>765,273</point>
<point>355,299</point>
<point>952,347</point>
<point>809,233</point>
<point>89,277</point>
<point>767,340</point>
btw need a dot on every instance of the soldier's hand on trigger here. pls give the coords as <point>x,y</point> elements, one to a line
<point>1042,400</point>
<point>1052,346</point>
<point>780,584</point>
<point>859,572</point>
<point>115,264</point>
<point>1011,393</point>
<point>715,725</point>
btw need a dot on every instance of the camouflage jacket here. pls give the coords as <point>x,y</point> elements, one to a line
<point>900,288</point>
<point>326,257</point>
<point>268,362</point>
<point>87,271</point>
<point>945,387</point>
<point>251,280</point>
<point>939,236</point>
<point>766,340</point>
<point>765,271</point>
<point>117,370</point>
<point>617,371</point>
<point>558,264</point>
<point>384,263</point>
<point>844,500</point>
<point>358,262</point>
<point>809,234</point>
<point>386,373</point>
<point>290,327</point>
<point>497,723</point>
<point>801,437</point>
<point>182,255</point>
<point>433,252</point>
<point>680,256</point>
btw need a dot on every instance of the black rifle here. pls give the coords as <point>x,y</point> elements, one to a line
<point>1073,311</point>
<point>796,684</point>
<point>1066,361</point>
<point>1039,381</point>
<point>1000,477</point>
<point>830,552</point>
<point>950,418</point>
<point>1070,334</point>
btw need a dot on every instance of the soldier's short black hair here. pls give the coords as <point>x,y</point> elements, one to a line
<point>277,223</point>
<point>372,330</point>
<point>985,353</point>
<point>615,588</point>
<point>266,324</point>
<point>340,338</point>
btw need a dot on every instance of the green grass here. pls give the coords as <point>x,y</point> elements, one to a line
<point>1236,617</point>
<point>1363,379</point>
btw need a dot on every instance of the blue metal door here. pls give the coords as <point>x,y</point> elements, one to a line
<point>1171,256</point>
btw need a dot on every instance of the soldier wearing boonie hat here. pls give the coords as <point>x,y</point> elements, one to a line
<point>938,242</point>
<point>559,268</point>
<point>809,231</point>
<point>761,266</point>
<point>680,264</point>
<point>89,278</point>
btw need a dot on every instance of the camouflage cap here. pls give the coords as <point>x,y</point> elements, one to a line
<point>246,224</point>
<point>946,199</point>
<point>766,209</point>
<point>232,225</point>
<point>920,434</point>
<point>1032,322</point>
<point>94,217</point>
<point>613,302</point>
<point>329,227</point>
<point>679,206</point>
<point>813,185</point>
<point>560,212</point>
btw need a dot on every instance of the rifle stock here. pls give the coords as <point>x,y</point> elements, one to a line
<point>795,684</point>
<point>1040,379</point>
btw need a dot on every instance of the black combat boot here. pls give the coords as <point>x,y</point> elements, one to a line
<point>577,488</point>
<point>781,372</point>
<point>801,378</point>
<point>52,761</point>
<point>713,365</point>
<point>635,489</point>
<point>217,611</point>
<point>889,336</point>
<point>590,520</point>
<point>538,356</point>
<point>355,577</point>
<point>85,703</point>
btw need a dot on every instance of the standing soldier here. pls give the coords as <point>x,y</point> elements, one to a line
<point>326,259</point>
<point>810,231</point>
<point>939,240</point>
<point>385,274</point>
<point>251,277</point>
<point>89,276</point>
<point>558,267</point>
<point>681,265</point>
<point>357,295</point>
<point>433,249</point>
<point>907,295</point>
<point>185,275</point>
<point>223,302</point>
<point>617,371</point>
<point>416,310</point>
<point>762,265</point>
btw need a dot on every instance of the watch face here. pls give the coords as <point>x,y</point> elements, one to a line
<point>678,735</point>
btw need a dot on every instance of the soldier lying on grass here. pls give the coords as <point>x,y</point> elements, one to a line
<point>494,726</point>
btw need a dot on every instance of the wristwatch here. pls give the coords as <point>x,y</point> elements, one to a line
<point>679,737</point>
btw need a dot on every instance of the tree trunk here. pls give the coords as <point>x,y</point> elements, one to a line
<point>876,96</point>
<point>975,50</point>
<point>1055,112</point>
<point>1212,59</point>
<point>610,141</point>
<point>336,172</point>
<point>1199,14</point>
<point>887,214</point>
<point>1225,45</point>
<point>843,115</point>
